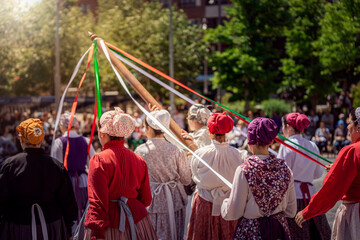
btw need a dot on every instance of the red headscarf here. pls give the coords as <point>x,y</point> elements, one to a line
<point>219,123</point>
<point>298,121</point>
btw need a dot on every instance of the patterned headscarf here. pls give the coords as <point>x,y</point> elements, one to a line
<point>65,119</point>
<point>357,114</point>
<point>199,113</point>
<point>31,131</point>
<point>262,131</point>
<point>298,121</point>
<point>116,123</point>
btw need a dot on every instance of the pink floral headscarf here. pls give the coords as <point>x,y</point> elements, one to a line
<point>117,123</point>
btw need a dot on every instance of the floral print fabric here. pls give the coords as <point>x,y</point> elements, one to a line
<point>268,180</point>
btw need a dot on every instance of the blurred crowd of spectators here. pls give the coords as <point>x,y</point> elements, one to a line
<point>327,130</point>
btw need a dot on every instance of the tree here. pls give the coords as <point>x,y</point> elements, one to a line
<point>302,68</point>
<point>142,29</point>
<point>27,39</point>
<point>338,46</point>
<point>31,46</point>
<point>254,38</point>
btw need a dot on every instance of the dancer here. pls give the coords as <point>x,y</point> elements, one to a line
<point>197,119</point>
<point>205,220</point>
<point>118,184</point>
<point>33,181</point>
<point>169,171</point>
<point>304,172</point>
<point>77,159</point>
<point>263,192</point>
<point>341,183</point>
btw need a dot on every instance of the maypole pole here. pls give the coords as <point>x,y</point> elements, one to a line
<point>143,93</point>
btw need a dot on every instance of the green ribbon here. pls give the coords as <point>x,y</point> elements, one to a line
<point>230,110</point>
<point>97,82</point>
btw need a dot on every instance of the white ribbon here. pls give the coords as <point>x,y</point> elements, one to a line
<point>170,202</point>
<point>63,97</point>
<point>164,129</point>
<point>179,94</point>
<point>169,88</point>
<point>42,222</point>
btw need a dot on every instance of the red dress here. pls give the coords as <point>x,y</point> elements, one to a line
<point>116,172</point>
<point>341,183</point>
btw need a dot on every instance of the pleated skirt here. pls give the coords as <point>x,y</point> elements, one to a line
<point>144,231</point>
<point>10,231</point>
<point>205,226</point>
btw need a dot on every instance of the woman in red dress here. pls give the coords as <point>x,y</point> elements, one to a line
<point>341,183</point>
<point>118,185</point>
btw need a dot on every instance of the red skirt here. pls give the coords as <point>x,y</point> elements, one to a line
<point>205,226</point>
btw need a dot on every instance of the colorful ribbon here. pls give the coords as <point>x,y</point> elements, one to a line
<point>230,111</point>
<point>97,82</point>
<point>163,128</point>
<point>59,111</point>
<point>73,108</point>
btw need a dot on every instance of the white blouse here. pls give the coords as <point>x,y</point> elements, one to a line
<point>224,159</point>
<point>241,202</point>
<point>201,137</point>
<point>304,170</point>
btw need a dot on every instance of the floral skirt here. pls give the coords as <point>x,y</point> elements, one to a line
<point>205,226</point>
<point>144,231</point>
<point>273,228</point>
<point>161,224</point>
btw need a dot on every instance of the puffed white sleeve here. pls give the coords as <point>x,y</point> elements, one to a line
<point>57,150</point>
<point>291,207</point>
<point>233,207</point>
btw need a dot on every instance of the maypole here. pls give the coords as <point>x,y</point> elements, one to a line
<point>143,93</point>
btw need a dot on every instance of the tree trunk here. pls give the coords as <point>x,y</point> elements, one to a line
<point>246,95</point>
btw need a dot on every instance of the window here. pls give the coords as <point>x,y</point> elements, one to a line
<point>85,7</point>
<point>215,2</point>
<point>187,3</point>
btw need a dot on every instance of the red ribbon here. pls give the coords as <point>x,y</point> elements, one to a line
<point>73,108</point>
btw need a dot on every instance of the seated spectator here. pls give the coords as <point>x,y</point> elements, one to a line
<point>314,119</point>
<point>322,136</point>
<point>237,136</point>
<point>328,119</point>
<point>340,136</point>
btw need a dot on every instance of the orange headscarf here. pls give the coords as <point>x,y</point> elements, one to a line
<point>31,131</point>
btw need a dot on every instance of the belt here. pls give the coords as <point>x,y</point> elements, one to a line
<point>157,190</point>
<point>304,187</point>
<point>124,209</point>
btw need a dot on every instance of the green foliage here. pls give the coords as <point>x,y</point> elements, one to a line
<point>27,39</point>
<point>338,45</point>
<point>254,36</point>
<point>302,69</point>
<point>309,48</point>
<point>142,29</point>
<point>355,94</point>
<point>237,105</point>
<point>275,105</point>
<point>30,47</point>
